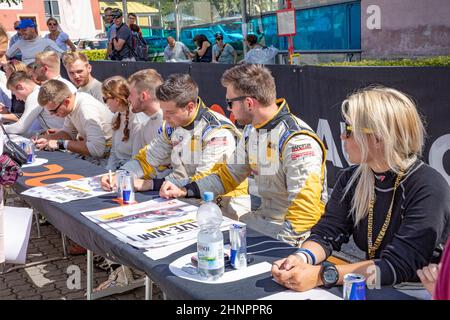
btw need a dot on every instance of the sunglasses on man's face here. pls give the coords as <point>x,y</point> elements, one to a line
<point>230,101</point>
<point>54,111</point>
<point>52,24</point>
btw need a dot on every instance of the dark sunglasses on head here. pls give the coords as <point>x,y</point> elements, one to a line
<point>230,101</point>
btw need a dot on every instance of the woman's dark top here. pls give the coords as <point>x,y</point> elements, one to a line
<point>207,57</point>
<point>419,223</point>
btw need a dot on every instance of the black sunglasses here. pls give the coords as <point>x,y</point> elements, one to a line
<point>230,101</point>
<point>105,99</point>
<point>54,111</point>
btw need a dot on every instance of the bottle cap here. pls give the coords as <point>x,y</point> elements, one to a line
<point>208,196</point>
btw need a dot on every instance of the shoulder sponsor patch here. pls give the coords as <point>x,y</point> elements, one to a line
<point>301,147</point>
<point>218,141</point>
<point>301,151</point>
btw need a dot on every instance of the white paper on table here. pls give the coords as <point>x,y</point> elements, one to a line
<point>163,252</point>
<point>37,162</point>
<point>17,226</point>
<point>67,191</point>
<point>183,268</point>
<point>156,223</point>
<point>313,294</point>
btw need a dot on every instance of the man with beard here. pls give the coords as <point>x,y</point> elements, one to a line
<point>79,71</point>
<point>283,153</point>
<point>144,103</point>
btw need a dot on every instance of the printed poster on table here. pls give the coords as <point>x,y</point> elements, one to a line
<point>151,224</point>
<point>67,191</point>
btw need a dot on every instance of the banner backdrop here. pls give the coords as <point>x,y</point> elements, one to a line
<point>315,95</point>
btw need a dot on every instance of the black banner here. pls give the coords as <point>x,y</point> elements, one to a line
<point>315,95</point>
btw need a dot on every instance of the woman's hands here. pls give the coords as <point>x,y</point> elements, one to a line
<point>295,274</point>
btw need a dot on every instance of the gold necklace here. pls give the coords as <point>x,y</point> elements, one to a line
<point>372,248</point>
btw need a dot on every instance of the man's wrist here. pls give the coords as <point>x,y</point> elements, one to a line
<point>60,144</point>
<point>302,256</point>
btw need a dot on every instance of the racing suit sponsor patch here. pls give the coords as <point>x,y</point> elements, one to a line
<point>218,141</point>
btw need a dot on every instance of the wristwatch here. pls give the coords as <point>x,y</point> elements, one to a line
<point>329,274</point>
<point>61,144</point>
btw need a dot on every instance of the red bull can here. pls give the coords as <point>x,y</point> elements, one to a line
<point>238,243</point>
<point>28,147</point>
<point>354,287</point>
<point>127,188</point>
<point>119,183</point>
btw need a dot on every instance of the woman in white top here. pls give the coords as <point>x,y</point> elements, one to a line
<point>61,38</point>
<point>115,92</point>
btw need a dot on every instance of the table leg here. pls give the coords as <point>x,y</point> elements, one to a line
<point>90,274</point>
<point>148,288</point>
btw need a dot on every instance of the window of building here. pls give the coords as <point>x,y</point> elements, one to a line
<point>333,27</point>
<point>52,9</point>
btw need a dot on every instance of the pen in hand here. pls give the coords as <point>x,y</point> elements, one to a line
<point>110,180</point>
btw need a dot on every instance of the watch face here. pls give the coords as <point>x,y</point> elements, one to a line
<point>330,276</point>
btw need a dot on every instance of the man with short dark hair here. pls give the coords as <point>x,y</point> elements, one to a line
<point>283,153</point>
<point>131,19</point>
<point>193,139</point>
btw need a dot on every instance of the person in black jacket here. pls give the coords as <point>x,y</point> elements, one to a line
<point>204,49</point>
<point>396,207</point>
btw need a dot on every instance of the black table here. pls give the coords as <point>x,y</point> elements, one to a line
<point>67,218</point>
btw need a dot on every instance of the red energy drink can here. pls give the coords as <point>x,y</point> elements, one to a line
<point>354,287</point>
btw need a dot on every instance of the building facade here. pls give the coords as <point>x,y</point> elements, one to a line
<point>80,19</point>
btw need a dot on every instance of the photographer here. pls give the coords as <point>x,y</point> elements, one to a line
<point>121,40</point>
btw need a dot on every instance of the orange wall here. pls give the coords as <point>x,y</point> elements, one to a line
<point>95,5</point>
<point>31,8</point>
<point>36,8</point>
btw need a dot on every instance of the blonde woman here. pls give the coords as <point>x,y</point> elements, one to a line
<point>396,207</point>
<point>115,92</point>
<point>56,34</point>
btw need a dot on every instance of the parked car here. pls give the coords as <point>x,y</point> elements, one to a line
<point>89,44</point>
<point>187,35</point>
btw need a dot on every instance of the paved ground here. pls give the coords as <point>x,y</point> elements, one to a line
<point>49,280</point>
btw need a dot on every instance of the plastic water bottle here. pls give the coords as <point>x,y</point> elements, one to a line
<point>211,264</point>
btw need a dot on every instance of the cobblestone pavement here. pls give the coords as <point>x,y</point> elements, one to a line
<point>49,280</point>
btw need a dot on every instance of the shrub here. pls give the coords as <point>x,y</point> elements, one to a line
<point>95,54</point>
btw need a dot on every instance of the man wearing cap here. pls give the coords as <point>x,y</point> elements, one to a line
<point>17,36</point>
<point>223,52</point>
<point>121,39</point>
<point>30,44</point>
